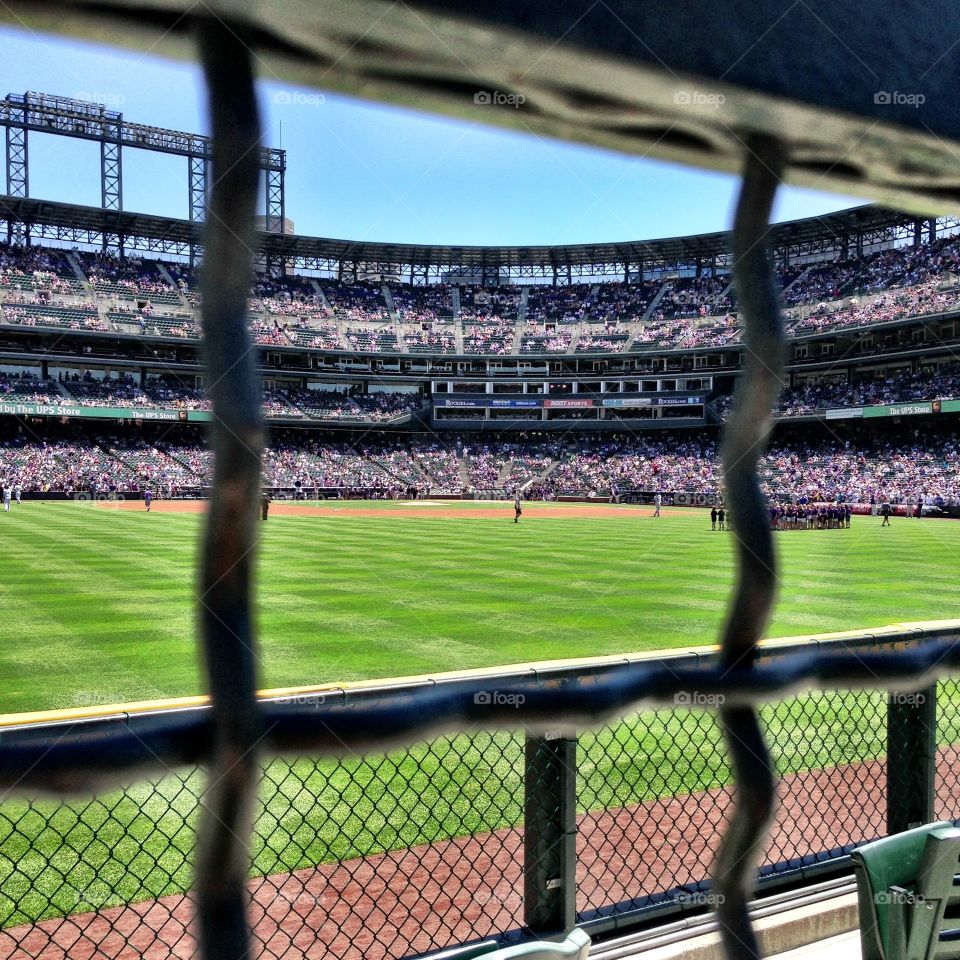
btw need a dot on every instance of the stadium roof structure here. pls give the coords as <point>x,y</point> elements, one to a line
<point>74,223</point>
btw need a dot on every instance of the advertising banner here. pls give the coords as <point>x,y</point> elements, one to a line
<point>653,401</point>
<point>560,403</point>
<point>677,401</point>
<point>459,402</point>
<point>627,401</point>
<point>568,402</point>
<point>523,402</point>
<point>899,410</point>
<point>844,413</point>
<point>102,413</point>
<point>485,401</point>
<point>74,410</point>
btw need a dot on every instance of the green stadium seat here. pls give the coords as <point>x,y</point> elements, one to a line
<point>908,894</point>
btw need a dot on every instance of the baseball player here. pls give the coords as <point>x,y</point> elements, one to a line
<point>657,500</point>
<point>517,509</point>
<point>148,498</point>
<point>7,492</point>
<point>17,490</point>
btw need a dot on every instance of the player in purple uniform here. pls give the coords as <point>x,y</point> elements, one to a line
<point>148,498</point>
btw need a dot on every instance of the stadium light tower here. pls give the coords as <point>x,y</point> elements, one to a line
<point>88,120</point>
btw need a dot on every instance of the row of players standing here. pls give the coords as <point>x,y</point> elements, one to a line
<point>835,517</point>
<point>793,518</point>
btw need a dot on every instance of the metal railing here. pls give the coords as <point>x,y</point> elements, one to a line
<point>480,833</point>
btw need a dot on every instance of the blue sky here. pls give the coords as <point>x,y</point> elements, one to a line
<point>365,172</point>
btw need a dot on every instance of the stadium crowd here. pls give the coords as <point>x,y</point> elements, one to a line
<point>864,468</point>
<point>550,343</point>
<point>610,341</point>
<point>818,395</point>
<point>35,268</point>
<point>494,336</point>
<point>168,392</point>
<point>171,393</point>
<point>129,277</point>
<point>39,287</point>
<point>27,388</point>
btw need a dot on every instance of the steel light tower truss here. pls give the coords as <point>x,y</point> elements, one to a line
<point>18,174</point>
<point>111,164</point>
<point>197,165</point>
<point>87,120</point>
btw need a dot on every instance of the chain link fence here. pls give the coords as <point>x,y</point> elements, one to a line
<point>945,795</point>
<point>656,789</point>
<point>396,855</point>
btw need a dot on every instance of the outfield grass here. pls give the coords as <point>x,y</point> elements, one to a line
<point>97,605</point>
<point>96,609</point>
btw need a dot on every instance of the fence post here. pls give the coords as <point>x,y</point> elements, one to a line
<point>911,758</point>
<point>550,833</point>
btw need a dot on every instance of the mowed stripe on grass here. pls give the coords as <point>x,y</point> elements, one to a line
<point>97,608</point>
<point>98,605</point>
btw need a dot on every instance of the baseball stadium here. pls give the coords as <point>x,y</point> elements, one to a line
<point>374,600</point>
